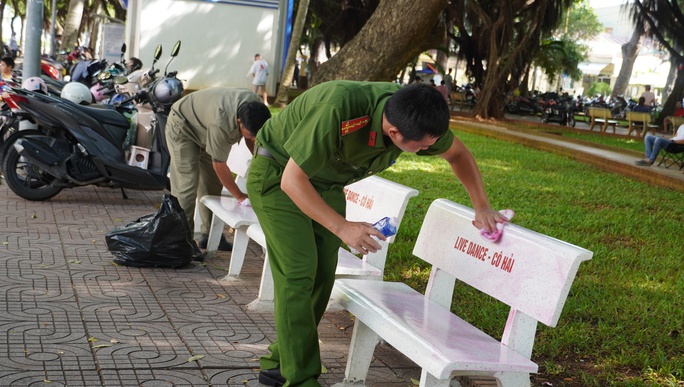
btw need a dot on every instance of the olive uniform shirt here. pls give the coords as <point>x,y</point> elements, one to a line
<point>334,133</point>
<point>210,118</point>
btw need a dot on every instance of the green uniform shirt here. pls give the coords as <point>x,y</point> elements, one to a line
<point>334,133</point>
<point>210,118</point>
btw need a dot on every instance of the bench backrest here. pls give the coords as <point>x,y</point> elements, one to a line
<point>373,198</point>
<point>239,159</point>
<point>530,272</point>
<point>638,116</point>
<point>599,113</point>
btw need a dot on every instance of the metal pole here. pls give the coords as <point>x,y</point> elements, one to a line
<point>34,28</point>
<point>53,36</point>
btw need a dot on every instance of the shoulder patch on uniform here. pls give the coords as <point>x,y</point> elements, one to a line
<point>351,126</point>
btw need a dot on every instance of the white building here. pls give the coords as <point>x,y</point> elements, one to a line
<point>219,38</point>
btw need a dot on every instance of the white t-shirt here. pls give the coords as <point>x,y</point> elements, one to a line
<point>649,97</point>
<point>680,134</point>
<point>260,71</point>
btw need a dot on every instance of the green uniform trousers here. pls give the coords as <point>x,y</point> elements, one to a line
<point>192,174</point>
<point>303,258</point>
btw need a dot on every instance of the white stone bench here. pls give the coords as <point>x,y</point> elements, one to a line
<point>368,200</point>
<point>226,210</point>
<point>238,162</point>
<point>530,272</point>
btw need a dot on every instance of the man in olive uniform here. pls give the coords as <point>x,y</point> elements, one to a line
<point>200,131</point>
<point>332,135</point>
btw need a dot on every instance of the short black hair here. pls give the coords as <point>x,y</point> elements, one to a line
<point>136,63</point>
<point>418,110</point>
<point>253,116</point>
<point>8,61</point>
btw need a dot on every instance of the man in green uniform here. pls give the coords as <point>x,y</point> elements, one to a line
<point>200,130</point>
<point>332,135</point>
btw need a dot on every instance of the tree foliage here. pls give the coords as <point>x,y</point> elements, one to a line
<point>664,20</point>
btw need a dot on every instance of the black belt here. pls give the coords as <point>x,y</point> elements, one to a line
<point>264,152</point>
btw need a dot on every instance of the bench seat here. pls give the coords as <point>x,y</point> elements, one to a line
<point>421,329</point>
<point>228,211</point>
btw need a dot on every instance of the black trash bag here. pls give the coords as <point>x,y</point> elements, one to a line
<point>163,239</point>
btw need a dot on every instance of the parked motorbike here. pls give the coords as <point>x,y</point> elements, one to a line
<point>522,105</point>
<point>84,145</point>
<point>560,110</point>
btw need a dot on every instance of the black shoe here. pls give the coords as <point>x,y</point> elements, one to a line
<point>224,245</point>
<point>642,163</point>
<point>271,377</point>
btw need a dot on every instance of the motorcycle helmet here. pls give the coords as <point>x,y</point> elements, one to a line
<point>34,84</point>
<point>98,91</point>
<point>167,91</point>
<point>77,93</point>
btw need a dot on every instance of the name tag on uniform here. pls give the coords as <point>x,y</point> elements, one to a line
<point>352,126</point>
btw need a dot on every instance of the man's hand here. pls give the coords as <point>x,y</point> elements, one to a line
<point>487,219</point>
<point>359,236</point>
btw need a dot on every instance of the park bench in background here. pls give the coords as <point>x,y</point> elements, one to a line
<point>640,120</point>
<point>459,99</point>
<point>676,122</point>
<point>603,117</point>
<point>530,272</point>
<point>368,200</point>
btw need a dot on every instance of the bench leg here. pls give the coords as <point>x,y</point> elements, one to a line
<point>215,233</point>
<point>264,301</point>
<point>237,257</point>
<point>512,379</point>
<point>427,380</point>
<point>361,350</point>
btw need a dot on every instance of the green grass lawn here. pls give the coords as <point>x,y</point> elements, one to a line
<point>622,323</point>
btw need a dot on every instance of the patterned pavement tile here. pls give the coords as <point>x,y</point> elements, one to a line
<point>139,345</point>
<point>70,316</point>
<point>51,378</point>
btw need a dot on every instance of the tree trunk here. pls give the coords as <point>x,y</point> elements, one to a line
<point>288,72</point>
<point>72,24</point>
<point>630,50</point>
<point>407,28</point>
<point>2,16</point>
<point>669,83</point>
<point>95,22</point>
<point>676,94</point>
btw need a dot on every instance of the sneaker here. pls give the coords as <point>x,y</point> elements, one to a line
<point>271,377</point>
<point>642,163</point>
<point>224,245</point>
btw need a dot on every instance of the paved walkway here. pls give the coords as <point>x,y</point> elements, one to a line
<point>72,317</point>
<point>613,160</point>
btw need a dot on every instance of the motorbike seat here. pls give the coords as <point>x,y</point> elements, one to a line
<point>105,115</point>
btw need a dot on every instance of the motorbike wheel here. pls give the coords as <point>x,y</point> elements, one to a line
<point>512,108</point>
<point>23,178</point>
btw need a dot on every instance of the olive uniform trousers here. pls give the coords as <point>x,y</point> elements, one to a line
<point>192,174</point>
<point>303,259</point>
